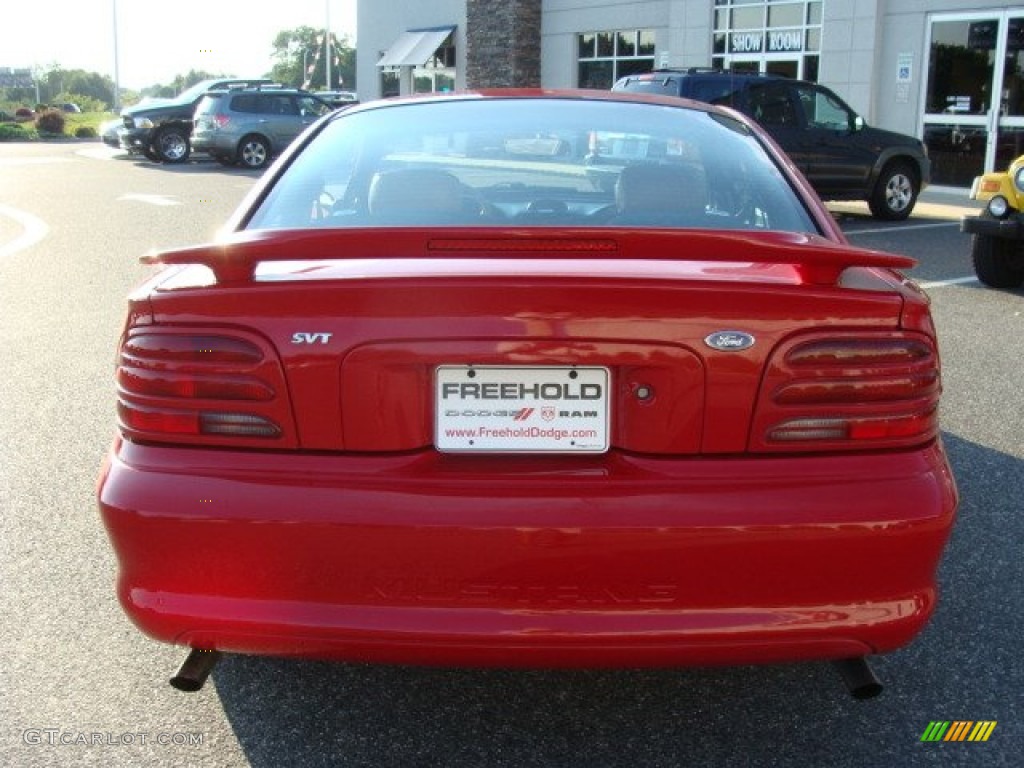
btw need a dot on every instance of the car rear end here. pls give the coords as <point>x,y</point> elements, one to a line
<point>213,130</point>
<point>527,445</point>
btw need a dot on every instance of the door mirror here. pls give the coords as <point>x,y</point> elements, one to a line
<point>857,124</point>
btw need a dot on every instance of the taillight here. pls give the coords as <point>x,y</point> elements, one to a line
<point>221,121</point>
<point>209,388</point>
<point>848,392</point>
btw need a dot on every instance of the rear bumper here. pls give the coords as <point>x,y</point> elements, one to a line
<point>214,143</point>
<point>609,561</point>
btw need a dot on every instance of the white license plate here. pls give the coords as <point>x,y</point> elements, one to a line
<point>526,409</point>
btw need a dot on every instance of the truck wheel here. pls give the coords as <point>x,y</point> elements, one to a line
<point>254,152</point>
<point>895,192</point>
<point>171,145</point>
<point>998,263</point>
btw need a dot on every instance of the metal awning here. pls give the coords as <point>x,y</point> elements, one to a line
<point>413,47</point>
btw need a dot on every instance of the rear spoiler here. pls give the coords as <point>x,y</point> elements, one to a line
<point>816,260</point>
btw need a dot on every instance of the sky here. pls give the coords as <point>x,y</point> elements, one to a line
<point>157,40</point>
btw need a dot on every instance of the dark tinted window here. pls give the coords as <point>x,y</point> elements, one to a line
<point>278,104</point>
<point>246,102</point>
<point>771,105</point>
<point>722,91</point>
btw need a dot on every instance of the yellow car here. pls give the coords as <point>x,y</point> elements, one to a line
<point>998,231</point>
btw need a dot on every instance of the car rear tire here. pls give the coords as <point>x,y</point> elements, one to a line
<point>171,145</point>
<point>895,192</point>
<point>254,152</point>
<point>998,263</point>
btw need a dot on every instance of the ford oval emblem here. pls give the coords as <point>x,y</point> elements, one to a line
<point>729,341</point>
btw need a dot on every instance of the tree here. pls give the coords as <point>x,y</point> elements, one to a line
<point>91,90</point>
<point>300,60</point>
<point>93,85</point>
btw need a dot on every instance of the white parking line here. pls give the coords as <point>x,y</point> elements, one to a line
<point>909,227</point>
<point>101,153</point>
<point>35,230</point>
<point>952,281</point>
<point>150,199</point>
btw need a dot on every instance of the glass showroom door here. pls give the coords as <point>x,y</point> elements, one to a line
<point>974,102</point>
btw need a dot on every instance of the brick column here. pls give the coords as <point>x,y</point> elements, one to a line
<point>503,43</point>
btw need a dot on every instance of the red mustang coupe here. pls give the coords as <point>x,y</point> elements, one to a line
<point>530,379</point>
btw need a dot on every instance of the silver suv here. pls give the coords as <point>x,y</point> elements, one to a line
<point>251,125</point>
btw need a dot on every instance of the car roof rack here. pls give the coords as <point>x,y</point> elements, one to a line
<point>254,86</point>
<point>688,70</point>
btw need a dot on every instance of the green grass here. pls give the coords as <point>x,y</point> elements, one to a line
<point>89,119</point>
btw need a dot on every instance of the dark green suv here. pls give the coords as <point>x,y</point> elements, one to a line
<point>842,157</point>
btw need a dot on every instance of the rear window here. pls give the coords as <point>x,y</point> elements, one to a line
<point>525,162</point>
<point>209,104</point>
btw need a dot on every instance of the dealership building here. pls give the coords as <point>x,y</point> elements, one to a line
<point>949,71</point>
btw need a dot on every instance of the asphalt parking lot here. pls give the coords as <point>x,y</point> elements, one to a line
<point>80,686</point>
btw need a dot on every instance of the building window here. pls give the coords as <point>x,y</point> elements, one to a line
<point>437,75</point>
<point>604,57</point>
<point>390,84</point>
<point>419,61</point>
<point>771,36</point>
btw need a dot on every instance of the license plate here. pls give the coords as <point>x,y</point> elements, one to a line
<point>525,409</point>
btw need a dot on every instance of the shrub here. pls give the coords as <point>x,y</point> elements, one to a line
<point>85,132</point>
<point>51,121</point>
<point>24,113</point>
<point>14,132</point>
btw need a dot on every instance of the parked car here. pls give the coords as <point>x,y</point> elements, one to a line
<point>161,129</point>
<point>842,156</point>
<point>437,397</point>
<point>109,132</point>
<point>997,233</point>
<point>339,99</point>
<point>251,125</point>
